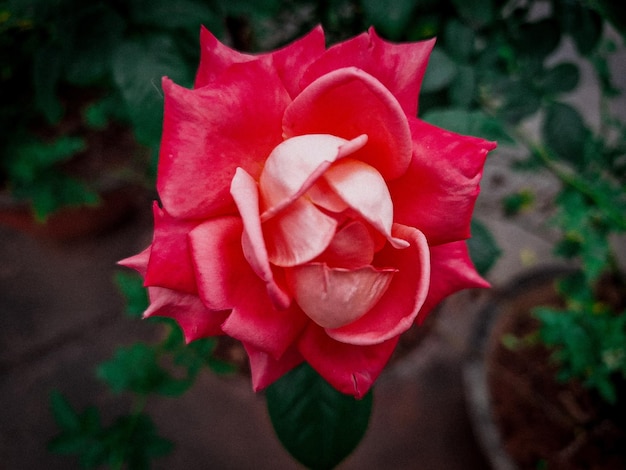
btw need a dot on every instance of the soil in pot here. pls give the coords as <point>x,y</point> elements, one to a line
<point>544,423</point>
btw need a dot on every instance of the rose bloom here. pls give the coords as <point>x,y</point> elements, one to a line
<point>305,210</point>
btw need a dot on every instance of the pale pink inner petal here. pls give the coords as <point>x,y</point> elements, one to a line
<point>298,234</point>
<point>334,297</point>
<point>352,247</point>
<point>322,195</point>
<point>365,191</point>
<point>398,308</point>
<point>296,164</point>
<point>245,193</point>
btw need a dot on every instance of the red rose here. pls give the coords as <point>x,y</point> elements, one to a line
<point>306,211</point>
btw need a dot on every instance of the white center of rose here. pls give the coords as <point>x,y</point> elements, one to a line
<point>324,215</point>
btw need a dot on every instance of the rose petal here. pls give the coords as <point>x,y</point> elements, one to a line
<point>257,322</point>
<point>190,313</point>
<point>265,370</point>
<point>209,132</point>
<point>438,192</point>
<point>348,103</point>
<point>215,58</point>
<point>403,299</point>
<point>294,59</point>
<point>296,164</point>
<point>334,297</point>
<point>170,262</point>
<point>352,247</point>
<point>290,62</point>
<point>399,67</point>
<point>222,272</point>
<point>350,369</point>
<point>244,191</point>
<point>365,191</point>
<point>138,262</point>
<point>452,270</point>
<point>298,234</point>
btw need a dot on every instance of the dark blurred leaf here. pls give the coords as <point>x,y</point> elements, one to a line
<point>538,39</point>
<point>440,71</point>
<point>97,32</point>
<point>477,12</point>
<point>458,40</point>
<point>520,101</point>
<point>561,78</point>
<point>135,369</point>
<point>517,202</point>
<point>138,67</point>
<point>187,14</point>
<point>317,424</point>
<point>463,87</point>
<point>583,24</point>
<point>390,18</point>
<point>465,122</point>
<point>483,248</point>
<point>132,288</point>
<point>47,70</point>
<point>565,133</point>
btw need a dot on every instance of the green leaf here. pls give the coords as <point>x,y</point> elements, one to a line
<point>187,14</point>
<point>538,39</point>
<point>135,369</point>
<point>483,247</point>
<point>477,13</point>
<point>98,30</point>
<point>583,24</point>
<point>565,133</point>
<point>517,202</point>
<point>317,424</point>
<point>138,67</point>
<point>458,41</point>
<point>465,122</point>
<point>440,72</point>
<point>390,18</point>
<point>521,100</point>
<point>561,78</point>
<point>63,413</point>
<point>463,86</point>
<point>132,288</point>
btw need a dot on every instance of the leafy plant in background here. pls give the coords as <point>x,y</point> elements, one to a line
<point>54,50</point>
<point>139,370</point>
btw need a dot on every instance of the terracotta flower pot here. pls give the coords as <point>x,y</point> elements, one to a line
<point>522,416</point>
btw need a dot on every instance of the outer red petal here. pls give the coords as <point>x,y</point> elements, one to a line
<point>350,369</point>
<point>348,103</point>
<point>401,303</point>
<point>399,67</point>
<point>170,263</point>
<point>215,58</point>
<point>290,62</point>
<point>138,262</point>
<point>438,192</point>
<point>256,322</point>
<point>293,60</point>
<point>194,318</point>
<point>265,369</point>
<point>221,270</point>
<point>452,270</point>
<point>209,132</point>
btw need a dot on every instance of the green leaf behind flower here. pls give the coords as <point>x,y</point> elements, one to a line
<point>318,425</point>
